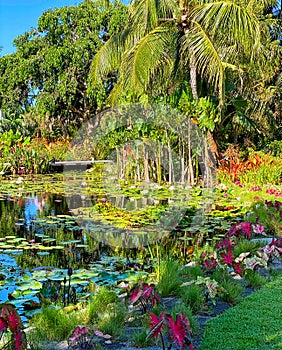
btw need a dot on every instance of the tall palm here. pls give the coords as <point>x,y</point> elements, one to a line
<point>170,40</point>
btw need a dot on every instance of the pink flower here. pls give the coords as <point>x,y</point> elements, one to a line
<point>256,198</point>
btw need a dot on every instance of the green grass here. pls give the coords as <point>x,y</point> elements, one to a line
<point>52,325</point>
<point>169,282</point>
<point>254,324</point>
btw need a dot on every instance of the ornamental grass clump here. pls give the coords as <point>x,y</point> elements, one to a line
<point>169,280</point>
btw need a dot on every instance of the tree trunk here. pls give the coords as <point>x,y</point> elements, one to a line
<point>193,76</point>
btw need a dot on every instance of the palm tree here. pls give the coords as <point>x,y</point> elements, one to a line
<point>168,41</point>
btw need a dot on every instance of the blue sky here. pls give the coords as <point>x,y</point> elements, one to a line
<point>19,16</point>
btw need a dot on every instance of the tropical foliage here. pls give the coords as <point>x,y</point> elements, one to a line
<point>46,78</point>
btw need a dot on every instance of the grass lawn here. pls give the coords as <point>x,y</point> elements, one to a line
<point>254,324</point>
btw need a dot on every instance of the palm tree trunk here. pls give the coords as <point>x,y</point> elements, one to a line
<point>193,76</point>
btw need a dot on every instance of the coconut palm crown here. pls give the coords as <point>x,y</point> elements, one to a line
<point>168,41</point>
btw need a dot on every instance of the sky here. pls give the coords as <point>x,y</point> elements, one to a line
<point>19,16</point>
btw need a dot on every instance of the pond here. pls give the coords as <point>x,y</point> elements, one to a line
<point>106,233</point>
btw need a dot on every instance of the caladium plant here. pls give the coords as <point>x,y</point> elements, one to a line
<point>178,331</point>
<point>145,295</point>
<point>11,321</point>
<point>89,335</point>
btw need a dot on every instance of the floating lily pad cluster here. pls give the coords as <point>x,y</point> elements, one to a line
<point>25,288</point>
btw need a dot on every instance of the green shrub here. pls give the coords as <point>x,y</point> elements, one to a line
<point>275,147</point>
<point>139,339</point>
<point>221,275</point>
<point>244,246</point>
<point>112,320</point>
<point>192,272</point>
<point>233,291</point>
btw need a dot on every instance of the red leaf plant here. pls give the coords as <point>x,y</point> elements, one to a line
<point>227,258</point>
<point>87,334</point>
<point>179,331</point>
<point>10,320</point>
<point>145,295</point>
<point>241,229</point>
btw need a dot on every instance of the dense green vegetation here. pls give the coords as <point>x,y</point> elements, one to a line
<point>217,63</point>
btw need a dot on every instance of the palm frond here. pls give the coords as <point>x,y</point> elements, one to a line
<point>108,58</point>
<point>208,61</point>
<point>242,121</point>
<point>144,15</point>
<point>142,61</point>
<point>258,6</point>
<point>148,14</point>
<point>238,23</point>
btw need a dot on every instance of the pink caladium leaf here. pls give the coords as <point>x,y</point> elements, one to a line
<point>147,291</point>
<point>135,294</point>
<point>259,229</point>
<point>3,325</point>
<point>238,269</point>
<point>156,325</point>
<point>79,332</point>
<point>241,257</point>
<point>178,330</point>
<point>246,228</point>
<point>233,230</point>
<point>10,315</point>
<point>20,340</point>
<point>227,258</point>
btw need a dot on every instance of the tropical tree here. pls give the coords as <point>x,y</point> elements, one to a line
<point>46,78</point>
<point>168,41</point>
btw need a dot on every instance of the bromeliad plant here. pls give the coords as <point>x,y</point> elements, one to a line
<point>10,322</point>
<point>177,332</point>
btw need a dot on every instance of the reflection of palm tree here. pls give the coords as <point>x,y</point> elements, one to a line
<point>168,41</point>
